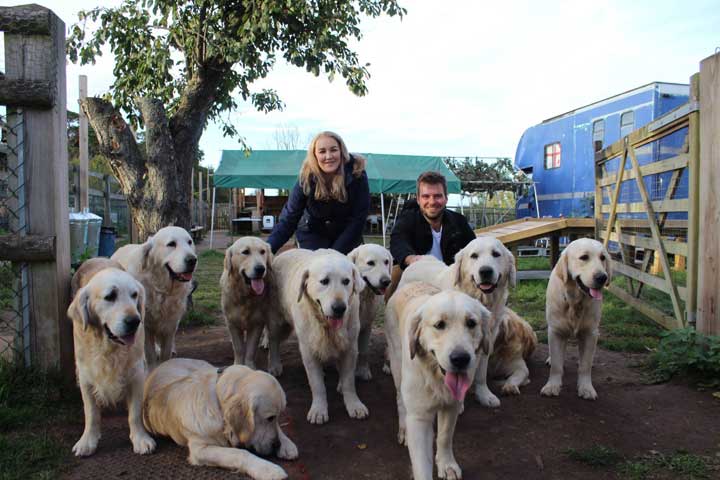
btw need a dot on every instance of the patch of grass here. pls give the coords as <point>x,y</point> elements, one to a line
<point>677,465</point>
<point>528,300</point>
<point>533,263</point>
<point>595,456</point>
<point>206,309</point>
<point>31,403</point>
<point>690,354</point>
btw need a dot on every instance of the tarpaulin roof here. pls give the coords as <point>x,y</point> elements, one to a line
<point>280,168</point>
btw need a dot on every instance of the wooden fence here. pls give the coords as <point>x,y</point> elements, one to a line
<point>646,203</point>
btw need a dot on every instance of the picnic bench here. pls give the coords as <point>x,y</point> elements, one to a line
<point>197,233</point>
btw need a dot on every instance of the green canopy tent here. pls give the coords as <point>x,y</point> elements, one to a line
<point>393,174</point>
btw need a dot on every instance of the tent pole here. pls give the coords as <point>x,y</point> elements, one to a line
<point>382,214</point>
<point>461,204</point>
<point>212,219</point>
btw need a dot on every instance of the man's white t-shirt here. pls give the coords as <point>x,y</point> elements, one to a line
<point>435,250</point>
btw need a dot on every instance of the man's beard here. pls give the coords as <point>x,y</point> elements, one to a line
<point>437,216</point>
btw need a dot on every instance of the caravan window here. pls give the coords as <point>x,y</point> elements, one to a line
<point>598,134</point>
<point>552,155</point>
<point>627,123</point>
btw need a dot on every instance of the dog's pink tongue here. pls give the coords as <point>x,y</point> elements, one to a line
<point>335,322</point>
<point>458,383</point>
<point>186,276</point>
<point>128,339</point>
<point>258,285</point>
<point>596,293</point>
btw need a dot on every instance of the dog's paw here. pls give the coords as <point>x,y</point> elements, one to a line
<point>551,389</point>
<point>357,409</point>
<point>449,470</point>
<point>142,443</point>
<point>510,389</point>
<point>318,414</point>
<point>276,370</point>
<point>486,398</point>
<point>85,446</point>
<point>288,450</point>
<point>401,436</point>
<point>386,369</point>
<point>363,373</point>
<point>587,391</point>
<point>266,471</point>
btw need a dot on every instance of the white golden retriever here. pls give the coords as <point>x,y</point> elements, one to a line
<point>374,264</point>
<point>318,297</point>
<point>219,415</point>
<point>435,339</point>
<point>164,264</point>
<point>244,284</point>
<point>484,269</point>
<point>107,314</point>
<point>572,309</point>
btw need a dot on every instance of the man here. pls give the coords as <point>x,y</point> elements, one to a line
<point>426,227</point>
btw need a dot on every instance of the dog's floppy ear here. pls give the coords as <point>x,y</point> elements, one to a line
<point>456,267</point>
<point>269,257</point>
<point>303,284</point>
<point>353,255</point>
<point>141,300</point>
<point>485,318</point>
<point>79,309</point>
<point>358,282</point>
<point>608,267</point>
<point>414,334</point>
<point>561,268</point>
<point>239,416</point>
<point>511,270</point>
<point>146,249</point>
<point>228,260</point>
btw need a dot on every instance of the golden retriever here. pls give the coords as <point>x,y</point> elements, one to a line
<point>435,338</point>
<point>107,314</point>
<point>572,309</point>
<point>374,264</point>
<point>484,269</point>
<point>318,297</point>
<point>219,414</point>
<point>164,264</point>
<point>514,343</point>
<point>244,295</point>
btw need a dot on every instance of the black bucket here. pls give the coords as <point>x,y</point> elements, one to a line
<point>107,242</point>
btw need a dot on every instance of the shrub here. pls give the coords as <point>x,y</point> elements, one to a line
<point>689,353</point>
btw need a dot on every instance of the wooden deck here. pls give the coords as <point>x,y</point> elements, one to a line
<point>526,229</point>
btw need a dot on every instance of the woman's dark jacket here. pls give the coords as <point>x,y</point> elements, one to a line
<point>411,234</point>
<point>325,224</point>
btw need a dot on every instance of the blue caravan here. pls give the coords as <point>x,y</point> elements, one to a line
<point>559,153</point>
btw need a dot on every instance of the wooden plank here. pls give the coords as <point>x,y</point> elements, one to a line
<point>655,282</point>
<point>694,207</point>
<point>638,138</point>
<point>679,205</point>
<point>615,196</point>
<point>25,19</point>
<point>671,246</point>
<point>642,224</point>
<point>674,163</point>
<point>708,317</point>
<point>646,309</point>
<point>27,248</point>
<point>26,93</point>
<point>658,239</point>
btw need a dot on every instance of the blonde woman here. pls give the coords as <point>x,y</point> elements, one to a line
<point>329,204</point>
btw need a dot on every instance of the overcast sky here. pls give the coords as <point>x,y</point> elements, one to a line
<point>466,78</point>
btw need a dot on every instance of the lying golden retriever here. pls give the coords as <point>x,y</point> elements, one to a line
<point>317,296</point>
<point>435,338</point>
<point>244,285</point>
<point>219,415</point>
<point>164,264</point>
<point>514,343</point>
<point>374,264</point>
<point>485,270</point>
<point>572,309</point>
<point>107,314</point>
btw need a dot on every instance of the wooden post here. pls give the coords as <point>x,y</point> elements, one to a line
<point>656,268</point>
<point>41,58</point>
<point>554,250</point>
<point>708,314</point>
<point>679,263</point>
<point>83,144</point>
<point>694,207</point>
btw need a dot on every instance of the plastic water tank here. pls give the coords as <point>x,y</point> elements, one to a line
<point>268,222</point>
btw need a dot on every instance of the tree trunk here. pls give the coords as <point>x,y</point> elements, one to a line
<point>154,179</point>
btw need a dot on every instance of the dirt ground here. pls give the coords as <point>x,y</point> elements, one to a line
<point>526,438</point>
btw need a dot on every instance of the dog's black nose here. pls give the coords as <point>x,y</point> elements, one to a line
<point>385,282</point>
<point>338,309</point>
<point>460,359</point>
<point>486,273</point>
<point>600,279</point>
<point>190,261</point>
<point>132,322</point>
<point>259,270</point>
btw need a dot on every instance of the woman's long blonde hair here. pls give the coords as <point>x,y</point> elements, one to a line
<point>334,189</point>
